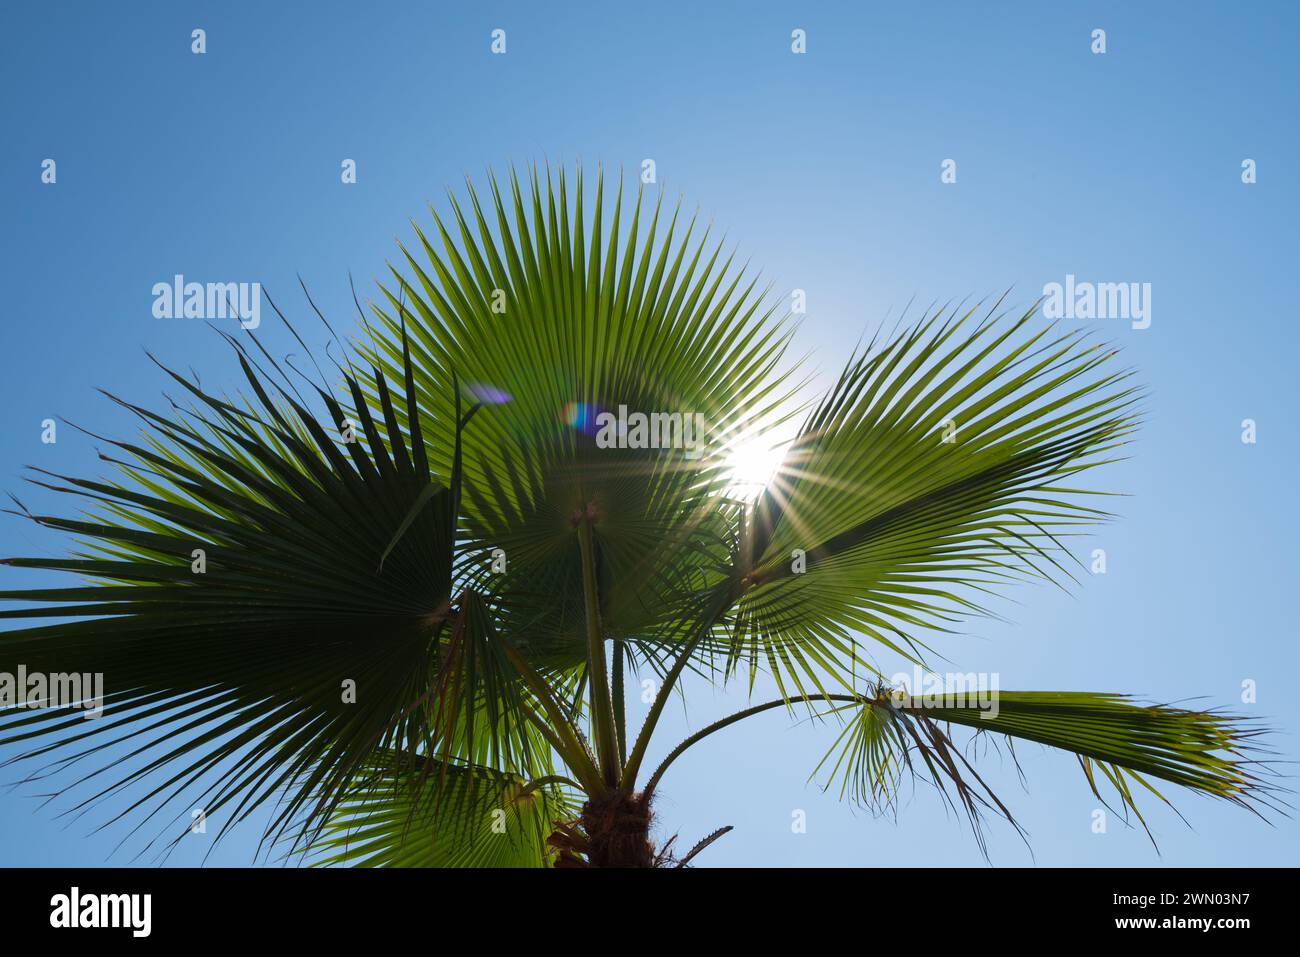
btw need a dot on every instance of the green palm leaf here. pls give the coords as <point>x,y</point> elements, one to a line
<point>453,816</point>
<point>315,635</point>
<point>940,468</point>
<point>893,733</point>
<point>653,320</point>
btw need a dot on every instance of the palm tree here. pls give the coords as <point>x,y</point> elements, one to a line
<point>402,622</point>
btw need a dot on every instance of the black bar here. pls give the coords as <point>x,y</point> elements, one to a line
<point>909,905</point>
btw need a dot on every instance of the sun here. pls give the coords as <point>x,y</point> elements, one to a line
<point>751,463</point>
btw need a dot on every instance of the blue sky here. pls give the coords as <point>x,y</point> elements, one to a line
<point>825,170</point>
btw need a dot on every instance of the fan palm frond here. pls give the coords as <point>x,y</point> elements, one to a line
<point>455,816</point>
<point>270,602</point>
<point>940,468</point>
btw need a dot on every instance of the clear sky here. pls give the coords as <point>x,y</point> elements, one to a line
<point>825,169</point>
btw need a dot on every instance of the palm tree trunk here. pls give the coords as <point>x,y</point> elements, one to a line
<point>617,825</point>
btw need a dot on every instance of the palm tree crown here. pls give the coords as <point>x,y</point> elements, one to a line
<point>400,612</point>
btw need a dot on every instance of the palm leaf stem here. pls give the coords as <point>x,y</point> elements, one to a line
<point>602,710</point>
<point>725,598</point>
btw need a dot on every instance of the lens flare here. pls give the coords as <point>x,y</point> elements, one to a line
<point>487,394</point>
<point>580,416</point>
